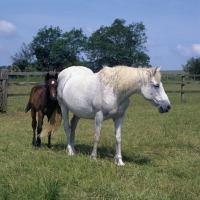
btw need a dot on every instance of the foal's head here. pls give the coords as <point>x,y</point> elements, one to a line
<point>51,84</point>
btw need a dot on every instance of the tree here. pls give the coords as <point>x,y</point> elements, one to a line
<point>119,45</point>
<point>42,46</point>
<point>25,56</point>
<point>192,66</point>
<point>70,47</point>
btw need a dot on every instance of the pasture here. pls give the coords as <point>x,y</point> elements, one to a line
<point>161,153</point>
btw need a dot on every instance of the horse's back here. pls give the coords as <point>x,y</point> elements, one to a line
<point>74,70</point>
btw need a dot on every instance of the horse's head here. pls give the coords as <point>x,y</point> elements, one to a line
<point>153,90</point>
<point>51,83</point>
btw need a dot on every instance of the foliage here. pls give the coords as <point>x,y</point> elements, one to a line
<point>112,45</point>
<point>23,57</point>
<point>192,66</point>
<point>14,68</point>
<point>161,153</point>
<point>119,44</point>
<point>30,68</point>
<point>42,45</point>
<point>68,49</point>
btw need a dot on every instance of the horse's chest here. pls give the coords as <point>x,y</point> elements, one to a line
<point>49,108</point>
<point>116,110</point>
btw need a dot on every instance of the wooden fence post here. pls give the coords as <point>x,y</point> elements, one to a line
<point>182,86</point>
<point>3,90</point>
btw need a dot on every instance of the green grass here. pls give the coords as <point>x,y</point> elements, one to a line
<point>161,153</point>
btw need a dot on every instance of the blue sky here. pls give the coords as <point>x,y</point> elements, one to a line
<point>173,26</point>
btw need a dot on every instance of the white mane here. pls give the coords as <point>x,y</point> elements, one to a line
<point>124,77</point>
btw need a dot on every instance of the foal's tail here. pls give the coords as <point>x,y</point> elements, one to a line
<point>28,107</point>
<point>54,121</point>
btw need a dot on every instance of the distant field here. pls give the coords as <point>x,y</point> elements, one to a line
<point>173,72</point>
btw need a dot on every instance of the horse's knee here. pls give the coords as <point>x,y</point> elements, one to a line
<point>39,130</point>
<point>97,137</point>
<point>118,139</point>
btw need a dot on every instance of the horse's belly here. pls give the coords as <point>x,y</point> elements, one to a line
<point>82,112</point>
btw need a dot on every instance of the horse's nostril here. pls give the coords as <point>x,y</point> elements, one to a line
<point>53,96</point>
<point>169,107</point>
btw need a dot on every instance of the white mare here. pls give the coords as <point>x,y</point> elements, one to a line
<point>104,95</point>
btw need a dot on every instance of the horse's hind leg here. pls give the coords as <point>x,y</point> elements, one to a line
<point>34,124</point>
<point>98,123</point>
<point>74,123</point>
<point>65,115</point>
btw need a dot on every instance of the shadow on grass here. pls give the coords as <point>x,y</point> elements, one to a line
<point>104,153</point>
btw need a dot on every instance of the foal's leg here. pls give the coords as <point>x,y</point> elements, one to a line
<point>65,115</point>
<point>49,134</point>
<point>97,133</point>
<point>34,124</point>
<point>39,127</point>
<point>118,126</point>
<point>74,123</point>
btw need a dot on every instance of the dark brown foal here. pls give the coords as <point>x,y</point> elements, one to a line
<point>43,99</point>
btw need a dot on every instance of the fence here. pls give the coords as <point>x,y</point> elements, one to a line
<point>4,83</point>
<point>182,83</point>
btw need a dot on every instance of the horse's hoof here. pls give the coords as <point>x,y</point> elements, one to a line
<point>93,158</point>
<point>70,152</point>
<point>119,162</point>
<point>36,144</point>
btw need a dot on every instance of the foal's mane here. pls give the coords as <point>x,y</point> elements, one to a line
<point>124,77</point>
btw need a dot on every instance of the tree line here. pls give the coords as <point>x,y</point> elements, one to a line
<point>118,44</point>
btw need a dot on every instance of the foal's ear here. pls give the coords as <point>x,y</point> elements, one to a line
<point>47,77</point>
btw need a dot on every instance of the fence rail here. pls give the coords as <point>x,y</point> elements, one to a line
<point>4,83</point>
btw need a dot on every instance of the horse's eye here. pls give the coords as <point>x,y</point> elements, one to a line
<point>156,85</point>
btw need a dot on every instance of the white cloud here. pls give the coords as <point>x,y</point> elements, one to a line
<point>184,51</point>
<point>89,29</point>
<point>7,28</point>
<point>193,50</point>
<point>196,48</point>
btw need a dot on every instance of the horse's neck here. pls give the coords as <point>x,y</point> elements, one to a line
<point>130,83</point>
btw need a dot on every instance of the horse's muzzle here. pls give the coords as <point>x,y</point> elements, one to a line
<point>53,97</point>
<point>164,106</point>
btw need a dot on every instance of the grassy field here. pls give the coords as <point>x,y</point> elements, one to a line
<point>161,153</point>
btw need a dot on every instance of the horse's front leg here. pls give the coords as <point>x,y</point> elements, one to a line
<point>49,140</point>
<point>49,133</point>
<point>65,116</point>
<point>97,133</point>
<point>74,123</point>
<point>118,127</point>
<point>34,124</point>
<point>39,127</point>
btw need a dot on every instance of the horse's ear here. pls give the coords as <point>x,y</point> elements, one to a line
<point>56,76</point>
<point>157,69</point>
<point>47,77</point>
